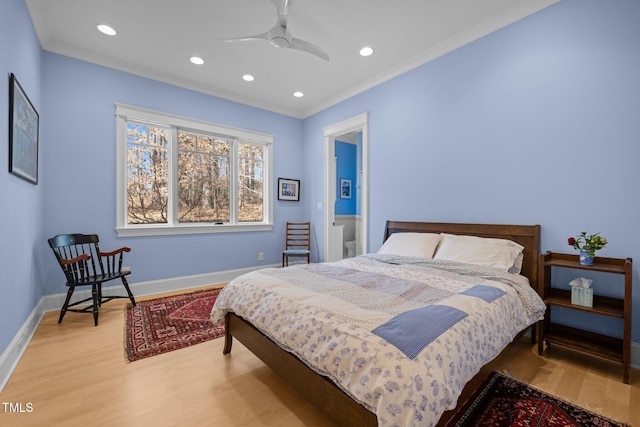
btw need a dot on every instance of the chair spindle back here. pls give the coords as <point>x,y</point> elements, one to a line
<point>83,254</point>
<point>298,235</point>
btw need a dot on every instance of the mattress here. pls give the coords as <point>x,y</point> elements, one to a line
<point>400,335</point>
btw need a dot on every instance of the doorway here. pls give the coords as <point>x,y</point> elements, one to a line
<point>334,241</point>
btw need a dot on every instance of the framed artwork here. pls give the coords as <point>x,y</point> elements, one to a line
<point>288,189</point>
<point>23,134</point>
<point>345,188</point>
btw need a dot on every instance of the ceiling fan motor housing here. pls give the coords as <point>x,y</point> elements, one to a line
<point>280,42</point>
<point>278,37</point>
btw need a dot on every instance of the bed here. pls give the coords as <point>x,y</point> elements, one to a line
<point>351,354</point>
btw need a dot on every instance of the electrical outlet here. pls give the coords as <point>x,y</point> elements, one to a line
<point>260,256</point>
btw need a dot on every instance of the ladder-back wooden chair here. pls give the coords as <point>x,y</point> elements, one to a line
<point>298,242</point>
<point>84,265</point>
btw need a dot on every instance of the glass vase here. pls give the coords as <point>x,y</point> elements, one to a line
<point>586,257</point>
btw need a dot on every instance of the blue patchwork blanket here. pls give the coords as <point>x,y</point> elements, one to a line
<point>402,336</point>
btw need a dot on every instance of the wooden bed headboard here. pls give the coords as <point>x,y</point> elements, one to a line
<point>525,235</point>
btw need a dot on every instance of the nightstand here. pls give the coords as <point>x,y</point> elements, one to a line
<point>603,346</point>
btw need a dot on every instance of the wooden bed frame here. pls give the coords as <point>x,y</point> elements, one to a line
<point>324,394</point>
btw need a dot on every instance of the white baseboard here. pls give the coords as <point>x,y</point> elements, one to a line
<point>12,354</point>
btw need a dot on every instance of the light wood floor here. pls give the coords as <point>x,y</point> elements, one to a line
<point>76,374</point>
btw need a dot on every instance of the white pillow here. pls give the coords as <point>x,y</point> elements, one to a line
<point>421,245</point>
<point>497,253</point>
<point>516,268</point>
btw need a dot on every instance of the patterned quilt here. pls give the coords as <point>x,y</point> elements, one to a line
<point>400,335</point>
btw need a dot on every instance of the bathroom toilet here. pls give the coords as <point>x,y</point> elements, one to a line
<point>351,248</point>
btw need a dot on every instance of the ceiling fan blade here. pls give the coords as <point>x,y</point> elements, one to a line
<point>282,9</point>
<point>280,37</point>
<point>263,36</point>
<point>309,48</point>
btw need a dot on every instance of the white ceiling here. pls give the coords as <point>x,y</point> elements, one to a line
<point>156,38</point>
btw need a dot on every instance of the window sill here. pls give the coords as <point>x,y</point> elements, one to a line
<point>151,230</point>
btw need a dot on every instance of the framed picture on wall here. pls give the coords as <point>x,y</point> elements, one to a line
<point>289,189</point>
<point>23,133</point>
<point>345,188</point>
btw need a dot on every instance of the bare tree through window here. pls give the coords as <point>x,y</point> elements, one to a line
<point>217,177</point>
<point>251,182</point>
<point>203,178</point>
<point>147,174</point>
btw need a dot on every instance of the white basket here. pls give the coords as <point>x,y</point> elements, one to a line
<point>582,296</point>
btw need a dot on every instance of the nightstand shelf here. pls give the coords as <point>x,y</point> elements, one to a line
<point>602,346</point>
<point>605,306</point>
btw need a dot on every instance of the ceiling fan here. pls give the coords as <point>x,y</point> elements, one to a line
<point>280,37</point>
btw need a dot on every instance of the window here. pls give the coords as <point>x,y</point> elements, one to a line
<point>180,176</point>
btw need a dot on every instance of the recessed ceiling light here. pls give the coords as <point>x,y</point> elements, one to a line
<point>248,78</point>
<point>105,29</point>
<point>366,51</point>
<point>298,94</point>
<point>196,60</point>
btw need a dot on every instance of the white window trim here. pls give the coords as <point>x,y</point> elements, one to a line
<point>127,112</point>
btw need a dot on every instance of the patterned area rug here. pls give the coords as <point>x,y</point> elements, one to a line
<point>165,324</point>
<point>506,402</point>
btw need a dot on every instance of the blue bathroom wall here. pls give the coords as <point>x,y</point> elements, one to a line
<point>346,169</point>
<point>358,171</point>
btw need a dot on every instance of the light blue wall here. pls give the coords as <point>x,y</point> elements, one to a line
<point>501,130</point>
<point>76,192</point>
<point>80,167</point>
<point>534,124</point>
<point>346,169</point>
<point>21,206</point>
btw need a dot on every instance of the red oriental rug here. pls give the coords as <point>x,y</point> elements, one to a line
<point>170,323</point>
<point>506,402</point>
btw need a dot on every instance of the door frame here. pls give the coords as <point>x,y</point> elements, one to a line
<point>359,123</point>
